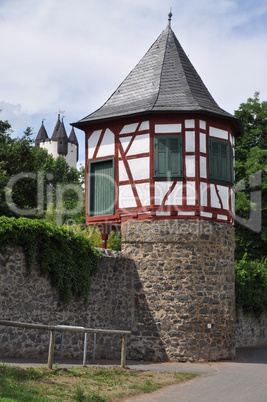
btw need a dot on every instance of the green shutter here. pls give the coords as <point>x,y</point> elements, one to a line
<point>214,159</point>
<point>168,157</point>
<point>173,148</point>
<point>232,166</point>
<point>162,157</point>
<point>224,167</point>
<point>219,161</point>
<point>101,188</point>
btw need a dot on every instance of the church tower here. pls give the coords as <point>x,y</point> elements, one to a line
<point>59,144</point>
<point>160,165</point>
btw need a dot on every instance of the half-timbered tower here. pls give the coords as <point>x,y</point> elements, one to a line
<point>160,147</point>
<point>160,164</point>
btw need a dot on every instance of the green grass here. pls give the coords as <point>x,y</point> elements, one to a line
<point>79,384</point>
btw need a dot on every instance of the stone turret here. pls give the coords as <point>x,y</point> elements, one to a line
<point>160,165</point>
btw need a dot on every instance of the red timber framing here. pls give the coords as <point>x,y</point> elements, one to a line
<point>138,195</point>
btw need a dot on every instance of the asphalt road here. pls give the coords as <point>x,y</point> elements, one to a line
<point>241,380</point>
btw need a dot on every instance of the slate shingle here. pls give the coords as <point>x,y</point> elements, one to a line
<point>164,80</point>
<point>41,136</point>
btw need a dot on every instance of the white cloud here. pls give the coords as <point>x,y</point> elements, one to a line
<point>73,55</point>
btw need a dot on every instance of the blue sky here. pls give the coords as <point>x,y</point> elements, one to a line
<point>71,55</point>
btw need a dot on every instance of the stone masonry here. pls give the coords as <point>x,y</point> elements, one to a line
<point>31,298</point>
<point>172,286</point>
<point>184,296</point>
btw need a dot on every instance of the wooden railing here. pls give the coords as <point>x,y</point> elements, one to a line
<point>67,328</point>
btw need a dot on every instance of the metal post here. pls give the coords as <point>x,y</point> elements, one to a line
<point>94,348</point>
<point>85,350</point>
<point>51,348</point>
<point>61,345</point>
<point>123,351</point>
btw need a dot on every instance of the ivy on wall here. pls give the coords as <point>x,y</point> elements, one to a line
<point>67,258</point>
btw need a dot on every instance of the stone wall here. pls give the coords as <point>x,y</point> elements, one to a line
<point>172,286</point>
<point>251,330</point>
<point>30,298</point>
<point>185,301</point>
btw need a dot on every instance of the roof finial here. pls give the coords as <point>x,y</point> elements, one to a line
<point>170,17</point>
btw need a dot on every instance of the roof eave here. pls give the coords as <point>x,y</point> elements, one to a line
<point>83,124</point>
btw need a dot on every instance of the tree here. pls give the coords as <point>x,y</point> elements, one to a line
<point>251,179</point>
<point>36,183</point>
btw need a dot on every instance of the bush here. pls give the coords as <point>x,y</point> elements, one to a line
<point>67,258</point>
<point>251,285</point>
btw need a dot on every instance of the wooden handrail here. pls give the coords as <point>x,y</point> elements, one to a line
<point>69,328</point>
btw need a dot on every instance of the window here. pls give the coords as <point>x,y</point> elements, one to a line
<point>168,157</point>
<point>220,161</point>
<point>101,187</point>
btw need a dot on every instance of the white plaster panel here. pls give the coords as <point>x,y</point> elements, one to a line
<point>163,213</point>
<point>233,200</point>
<point>214,200</point>
<point>189,123</point>
<point>206,214</point>
<point>125,141</point>
<point>218,133</point>
<point>139,168</point>
<point>190,166</point>
<point>126,197</point>
<point>190,193</point>
<point>190,141</point>
<point>203,194</point>
<point>202,124</point>
<point>129,128</point>
<point>140,145</point>
<point>143,191</point>
<point>203,167</point>
<point>144,126</point>
<point>122,172</point>
<point>161,189</point>
<point>232,140</point>
<point>92,142</point>
<point>176,196</point>
<point>202,143</point>
<point>168,128</point>
<point>107,146</point>
<point>185,213</point>
<point>222,217</point>
<point>224,194</point>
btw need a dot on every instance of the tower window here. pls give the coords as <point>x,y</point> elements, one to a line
<point>221,165</point>
<point>168,157</point>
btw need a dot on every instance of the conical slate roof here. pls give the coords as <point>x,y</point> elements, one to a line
<point>55,132</point>
<point>42,135</point>
<point>61,133</point>
<point>62,139</point>
<point>72,137</point>
<point>163,81</point>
